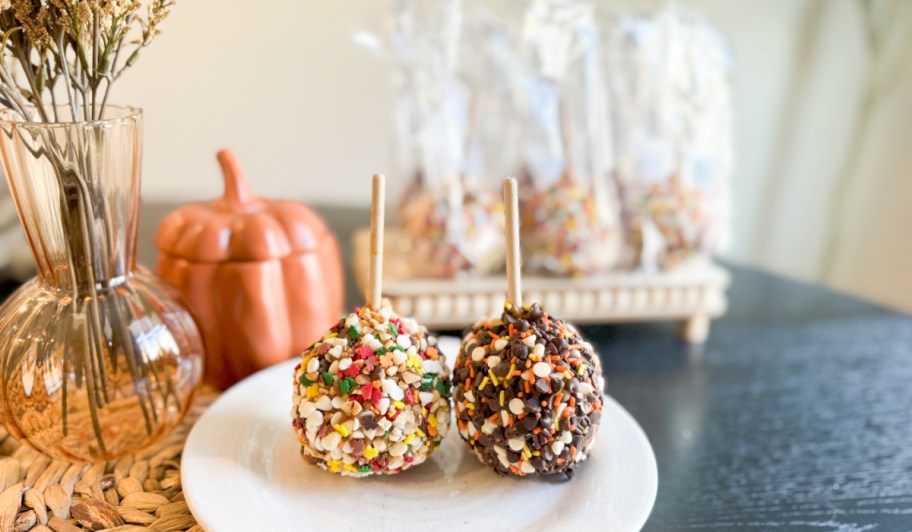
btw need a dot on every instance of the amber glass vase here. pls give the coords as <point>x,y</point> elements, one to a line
<point>97,357</point>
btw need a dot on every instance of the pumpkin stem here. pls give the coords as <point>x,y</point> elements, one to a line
<point>237,191</point>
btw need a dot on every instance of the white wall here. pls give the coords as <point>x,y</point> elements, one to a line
<point>309,113</point>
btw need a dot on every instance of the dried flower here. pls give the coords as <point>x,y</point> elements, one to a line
<point>71,51</point>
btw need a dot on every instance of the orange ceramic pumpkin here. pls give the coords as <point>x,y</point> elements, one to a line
<point>262,278</point>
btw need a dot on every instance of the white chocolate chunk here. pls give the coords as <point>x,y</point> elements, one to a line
<point>516,444</point>
<point>541,369</point>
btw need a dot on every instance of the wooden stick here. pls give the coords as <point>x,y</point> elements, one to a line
<point>375,274</point>
<point>514,261</point>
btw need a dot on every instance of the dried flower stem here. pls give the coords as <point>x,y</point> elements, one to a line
<point>74,47</point>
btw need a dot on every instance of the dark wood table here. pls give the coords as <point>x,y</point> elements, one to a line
<point>797,413</point>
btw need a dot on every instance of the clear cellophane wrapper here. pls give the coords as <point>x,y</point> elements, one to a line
<point>451,135</point>
<point>570,210</point>
<point>669,78</point>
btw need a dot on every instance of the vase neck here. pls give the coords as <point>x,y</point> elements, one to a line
<point>76,189</point>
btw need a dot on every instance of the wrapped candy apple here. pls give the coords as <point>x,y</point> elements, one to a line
<point>452,133</point>
<point>571,222</point>
<point>670,81</point>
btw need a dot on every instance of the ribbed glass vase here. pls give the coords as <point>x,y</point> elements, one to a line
<point>97,357</point>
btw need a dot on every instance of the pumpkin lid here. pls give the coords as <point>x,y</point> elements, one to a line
<point>238,226</point>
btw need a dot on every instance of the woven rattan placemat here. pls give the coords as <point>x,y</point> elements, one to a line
<point>138,492</point>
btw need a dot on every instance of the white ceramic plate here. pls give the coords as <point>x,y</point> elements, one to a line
<point>242,470</point>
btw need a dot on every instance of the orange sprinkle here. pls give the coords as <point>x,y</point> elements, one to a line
<point>536,430</point>
<point>572,451</point>
<point>516,373</point>
<point>572,401</point>
<point>510,421</point>
<point>494,417</point>
<point>528,388</point>
<point>475,436</point>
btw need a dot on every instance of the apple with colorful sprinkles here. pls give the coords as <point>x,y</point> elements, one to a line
<point>528,389</point>
<point>373,395</point>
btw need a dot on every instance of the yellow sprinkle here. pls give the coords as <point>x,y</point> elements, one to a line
<point>408,439</point>
<point>414,361</point>
<point>508,305</point>
<point>510,373</point>
<point>420,432</point>
<point>341,430</point>
<point>493,377</point>
<point>536,453</point>
<point>334,465</point>
<point>370,453</point>
<point>399,404</point>
<point>484,382</point>
<point>568,375</point>
<point>501,397</point>
<point>330,335</point>
<point>351,467</point>
<point>526,453</point>
<point>432,420</point>
<point>581,369</point>
<point>312,391</point>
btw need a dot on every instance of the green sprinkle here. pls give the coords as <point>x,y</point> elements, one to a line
<point>305,381</point>
<point>425,386</point>
<point>352,333</point>
<point>302,449</point>
<point>444,386</point>
<point>328,378</point>
<point>394,329</point>
<point>365,468</point>
<point>346,385</point>
<point>437,443</point>
<point>382,351</point>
